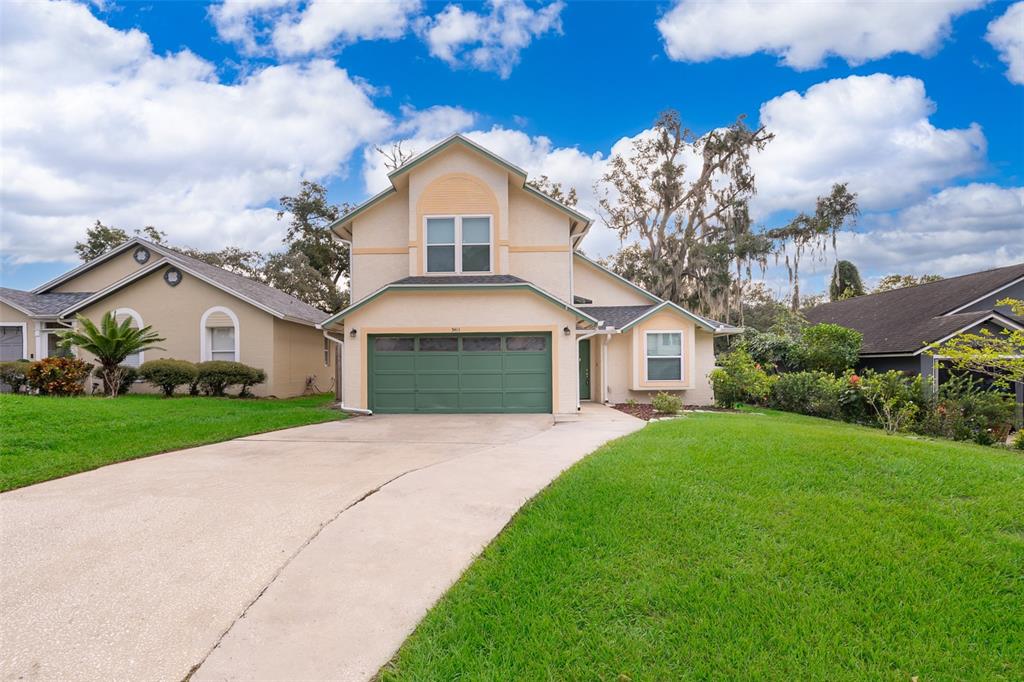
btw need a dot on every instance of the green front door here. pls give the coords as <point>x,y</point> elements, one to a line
<point>585,369</point>
<point>460,373</point>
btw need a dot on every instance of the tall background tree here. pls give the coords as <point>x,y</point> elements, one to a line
<point>685,199</point>
<point>101,238</point>
<point>845,282</point>
<point>890,282</point>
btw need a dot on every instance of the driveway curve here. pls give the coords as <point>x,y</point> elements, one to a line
<point>305,553</point>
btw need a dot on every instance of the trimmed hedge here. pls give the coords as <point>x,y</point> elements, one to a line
<point>215,376</point>
<point>168,374</point>
<point>59,376</point>
<point>15,374</point>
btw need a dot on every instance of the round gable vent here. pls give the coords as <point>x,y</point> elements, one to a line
<point>172,276</point>
<point>141,255</point>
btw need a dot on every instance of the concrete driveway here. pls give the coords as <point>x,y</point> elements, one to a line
<point>306,553</point>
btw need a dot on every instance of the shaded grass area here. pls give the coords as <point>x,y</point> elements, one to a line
<point>745,546</point>
<point>43,437</point>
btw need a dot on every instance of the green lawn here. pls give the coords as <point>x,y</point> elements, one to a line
<point>43,438</point>
<point>760,547</point>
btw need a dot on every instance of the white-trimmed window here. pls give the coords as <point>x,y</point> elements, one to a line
<point>218,330</point>
<point>49,332</point>
<point>663,356</point>
<point>135,359</point>
<point>459,244</point>
<point>327,352</point>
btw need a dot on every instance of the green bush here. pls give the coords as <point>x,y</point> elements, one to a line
<point>1018,440</point>
<point>168,374</point>
<point>813,393</point>
<point>895,398</point>
<point>666,403</point>
<point>739,379</point>
<point>15,374</point>
<point>829,348</point>
<point>59,376</point>
<point>773,350</point>
<point>215,376</point>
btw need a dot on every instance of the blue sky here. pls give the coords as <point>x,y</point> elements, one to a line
<point>195,118</point>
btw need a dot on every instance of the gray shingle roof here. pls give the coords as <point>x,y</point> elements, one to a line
<point>905,320</point>
<point>276,300</point>
<point>42,304</point>
<point>617,316</point>
<point>461,279</point>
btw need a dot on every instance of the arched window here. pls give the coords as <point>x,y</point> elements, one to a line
<point>135,359</point>
<point>218,333</point>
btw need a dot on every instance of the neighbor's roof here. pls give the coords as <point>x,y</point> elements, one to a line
<point>904,321</point>
<point>260,295</point>
<point>41,305</point>
<point>460,139</point>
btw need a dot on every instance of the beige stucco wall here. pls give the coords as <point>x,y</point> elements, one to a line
<point>298,354</point>
<point>548,270</point>
<point>103,275</point>
<point>426,312</point>
<point>175,313</point>
<point>602,288</point>
<point>482,173</point>
<point>380,246</point>
<point>623,376</point>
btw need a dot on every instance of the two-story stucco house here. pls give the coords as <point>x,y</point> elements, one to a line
<point>468,294</point>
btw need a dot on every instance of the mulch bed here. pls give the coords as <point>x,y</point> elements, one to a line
<point>647,412</point>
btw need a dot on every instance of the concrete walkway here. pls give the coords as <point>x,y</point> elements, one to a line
<point>307,553</point>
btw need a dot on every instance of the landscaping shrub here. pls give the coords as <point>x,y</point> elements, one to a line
<point>1018,440</point>
<point>15,374</point>
<point>739,379</point>
<point>168,374</point>
<point>773,350</point>
<point>895,398</point>
<point>666,403</point>
<point>214,376</point>
<point>813,393</point>
<point>59,376</point>
<point>829,348</point>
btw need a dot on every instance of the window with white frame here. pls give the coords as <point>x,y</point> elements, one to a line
<point>135,359</point>
<point>664,356</point>
<point>327,352</point>
<point>219,327</point>
<point>52,346</point>
<point>458,244</point>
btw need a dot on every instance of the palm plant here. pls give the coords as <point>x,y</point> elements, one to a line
<point>110,344</point>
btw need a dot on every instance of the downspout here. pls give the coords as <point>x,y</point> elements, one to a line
<point>603,394</point>
<point>341,384</point>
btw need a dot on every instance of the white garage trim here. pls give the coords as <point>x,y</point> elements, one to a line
<point>24,336</point>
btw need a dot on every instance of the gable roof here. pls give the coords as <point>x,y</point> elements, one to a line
<point>904,321</point>
<point>260,295</point>
<point>41,305</point>
<point>462,140</point>
<point>635,287</point>
<point>460,283</point>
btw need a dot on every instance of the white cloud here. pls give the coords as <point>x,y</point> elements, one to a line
<point>96,125</point>
<point>1006,34</point>
<point>294,28</point>
<point>871,131</point>
<point>958,230</point>
<point>489,42</point>
<point>804,34</point>
<point>325,22</point>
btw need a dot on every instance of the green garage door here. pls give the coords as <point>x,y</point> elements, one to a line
<point>460,373</point>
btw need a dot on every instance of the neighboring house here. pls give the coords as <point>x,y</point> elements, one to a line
<point>468,295</point>
<point>204,312</point>
<point>901,325</point>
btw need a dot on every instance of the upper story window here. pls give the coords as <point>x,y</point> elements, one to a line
<point>458,244</point>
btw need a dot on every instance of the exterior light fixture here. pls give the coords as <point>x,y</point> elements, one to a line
<point>352,332</point>
<point>566,331</point>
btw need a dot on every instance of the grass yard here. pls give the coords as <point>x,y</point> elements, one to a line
<point>725,546</point>
<point>43,438</point>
